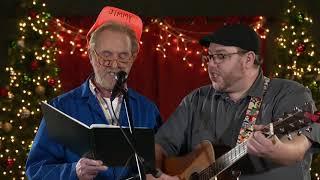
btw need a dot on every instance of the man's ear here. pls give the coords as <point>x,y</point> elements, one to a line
<point>251,56</point>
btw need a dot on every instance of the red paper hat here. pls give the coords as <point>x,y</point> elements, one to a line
<point>112,14</point>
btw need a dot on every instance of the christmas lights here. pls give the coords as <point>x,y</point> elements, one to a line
<point>298,59</point>
<point>33,77</point>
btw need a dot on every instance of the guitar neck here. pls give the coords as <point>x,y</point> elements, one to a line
<point>225,161</point>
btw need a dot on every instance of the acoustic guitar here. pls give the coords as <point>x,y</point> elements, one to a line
<point>201,164</point>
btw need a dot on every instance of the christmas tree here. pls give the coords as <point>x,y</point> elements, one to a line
<point>298,58</point>
<point>33,77</point>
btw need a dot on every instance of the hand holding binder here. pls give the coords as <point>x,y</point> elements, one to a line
<point>88,168</point>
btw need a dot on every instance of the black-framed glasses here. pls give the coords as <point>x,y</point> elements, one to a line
<point>219,57</point>
<point>122,60</point>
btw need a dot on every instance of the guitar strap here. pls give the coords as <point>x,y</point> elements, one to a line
<point>252,113</point>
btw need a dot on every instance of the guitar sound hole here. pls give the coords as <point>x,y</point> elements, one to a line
<point>194,176</point>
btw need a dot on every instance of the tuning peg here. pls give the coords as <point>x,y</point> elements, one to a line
<point>282,130</point>
<point>299,133</point>
<point>306,104</point>
<point>289,137</point>
<point>296,108</point>
<point>309,129</point>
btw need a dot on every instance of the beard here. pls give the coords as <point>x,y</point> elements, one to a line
<point>106,80</point>
<point>226,81</point>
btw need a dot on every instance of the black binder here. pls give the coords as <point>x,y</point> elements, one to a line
<point>104,142</point>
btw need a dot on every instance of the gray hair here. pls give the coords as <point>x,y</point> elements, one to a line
<point>257,61</point>
<point>113,26</point>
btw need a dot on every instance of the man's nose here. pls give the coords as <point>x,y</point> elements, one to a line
<point>114,63</point>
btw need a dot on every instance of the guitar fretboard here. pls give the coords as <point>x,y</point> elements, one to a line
<point>224,161</point>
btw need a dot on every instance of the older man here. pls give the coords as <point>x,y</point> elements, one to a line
<point>113,45</point>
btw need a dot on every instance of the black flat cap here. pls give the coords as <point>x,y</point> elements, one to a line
<point>239,35</point>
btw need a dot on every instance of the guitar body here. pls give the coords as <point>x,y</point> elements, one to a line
<point>187,167</point>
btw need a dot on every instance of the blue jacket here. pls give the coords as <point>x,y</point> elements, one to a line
<point>50,160</point>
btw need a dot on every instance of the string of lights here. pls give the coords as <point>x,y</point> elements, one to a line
<point>171,38</point>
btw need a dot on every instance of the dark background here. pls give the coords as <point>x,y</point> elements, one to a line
<point>273,9</point>
<point>11,11</point>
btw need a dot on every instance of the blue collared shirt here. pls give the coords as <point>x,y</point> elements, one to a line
<point>50,160</point>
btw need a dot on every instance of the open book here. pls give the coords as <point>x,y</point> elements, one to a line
<point>104,142</point>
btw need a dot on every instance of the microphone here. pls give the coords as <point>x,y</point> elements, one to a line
<point>121,78</point>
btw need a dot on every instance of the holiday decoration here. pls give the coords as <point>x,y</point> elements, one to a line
<point>7,127</point>
<point>34,65</point>
<point>300,48</point>
<point>40,90</point>
<point>9,163</point>
<point>32,78</point>
<point>300,17</point>
<point>181,40</point>
<point>25,113</point>
<point>299,58</point>
<point>21,43</point>
<point>51,81</point>
<point>171,38</point>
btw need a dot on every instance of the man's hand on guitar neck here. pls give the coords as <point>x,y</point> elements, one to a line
<point>261,146</point>
<point>162,177</point>
<point>282,151</point>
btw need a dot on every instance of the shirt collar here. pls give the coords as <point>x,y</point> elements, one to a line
<point>89,87</point>
<point>92,87</point>
<point>256,90</point>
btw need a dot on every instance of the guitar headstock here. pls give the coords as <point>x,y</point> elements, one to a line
<point>299,118</point>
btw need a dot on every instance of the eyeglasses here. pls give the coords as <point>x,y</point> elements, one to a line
<point>219,57</point>
<point>123,60</point>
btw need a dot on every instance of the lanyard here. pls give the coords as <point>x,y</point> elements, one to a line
<point>252,114</point>
<point>106,105</point>
<point>107,109</point>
